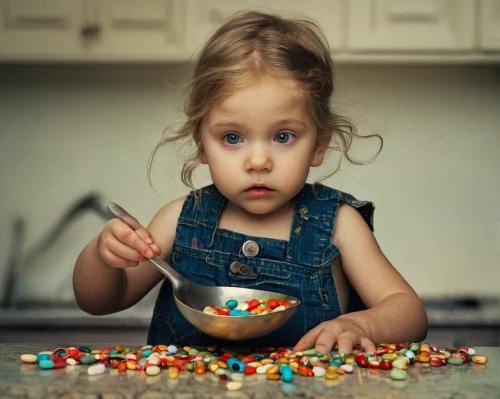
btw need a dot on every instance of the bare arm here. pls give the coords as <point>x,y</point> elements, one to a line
<point>395,312</point>
<point>112,272</point>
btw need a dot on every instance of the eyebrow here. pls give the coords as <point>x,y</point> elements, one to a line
<point>281,122</point>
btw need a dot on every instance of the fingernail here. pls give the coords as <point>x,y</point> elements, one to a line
<point>149,240</point>
<point>149,254</point>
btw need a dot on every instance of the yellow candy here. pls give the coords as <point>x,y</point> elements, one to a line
<point>213,365</point>
<point>350,359</point>
<point>222,364</point>
<point>172,372</point>
<point>273,370</point>
<point>331,374</point>
<point>400,364</point>
<point>479,359</point>
<point>28,358</point>
<point>273,376</point>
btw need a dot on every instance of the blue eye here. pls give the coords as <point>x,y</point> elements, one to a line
<point>284,137</point>
<point>231,138</point>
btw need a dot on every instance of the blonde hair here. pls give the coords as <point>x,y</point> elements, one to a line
<point>249,45</point>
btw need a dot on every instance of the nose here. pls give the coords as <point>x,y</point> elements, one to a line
<point>259,159</point>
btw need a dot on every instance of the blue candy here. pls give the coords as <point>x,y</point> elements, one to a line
<point>46,364</point>
<point>286,373</point>
<point>232,303</point>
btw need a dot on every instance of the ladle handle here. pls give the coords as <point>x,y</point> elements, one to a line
<point>175,278</point>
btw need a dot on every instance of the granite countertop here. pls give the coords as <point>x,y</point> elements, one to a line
<point>139,316</point>
<point>18,380</point>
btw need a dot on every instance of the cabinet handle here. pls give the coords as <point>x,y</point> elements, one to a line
<point>90,31</point>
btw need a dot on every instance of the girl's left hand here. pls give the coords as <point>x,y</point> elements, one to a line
<point>344,331</point>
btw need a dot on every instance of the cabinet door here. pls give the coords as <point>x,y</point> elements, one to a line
<point>37,29</point>
<point>399,25</point>
<point>139,30</point>
<point>489,25</point>
<point>206,16</point>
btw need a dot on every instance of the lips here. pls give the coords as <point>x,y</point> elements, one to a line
<point>259,187</point>
<point>258,191</point>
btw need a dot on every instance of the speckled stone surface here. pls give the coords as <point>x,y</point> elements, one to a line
<point>19,380</point>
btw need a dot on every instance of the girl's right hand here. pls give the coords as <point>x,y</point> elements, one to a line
<point>120,246</point>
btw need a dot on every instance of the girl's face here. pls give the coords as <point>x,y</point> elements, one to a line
<point>259,144</point>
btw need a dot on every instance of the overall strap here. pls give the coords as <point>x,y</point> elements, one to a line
<point>313,223</point>
<point>199,218</point>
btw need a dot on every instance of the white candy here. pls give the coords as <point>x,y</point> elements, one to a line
<point>347,368</point>
<point>279,308</point>
<point>153,370</point>
<point>70,361</point>
<point>471,351</point>
<point>154,360</point>
<point>237,377</point>
<point>234,385</point>
<point>97,369</point>
<point>319,371</point>
<point>209,310</point>
<point>263,369</point>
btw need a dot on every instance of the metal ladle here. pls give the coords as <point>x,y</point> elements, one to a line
<point>191,299</point>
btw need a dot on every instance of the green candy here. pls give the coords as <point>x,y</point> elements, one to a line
<point>397,374</point>
<point>193,352</point>
<point>84,349</point>
<point>221,371</point>
<point>88,359</point>
<point>456,361</point>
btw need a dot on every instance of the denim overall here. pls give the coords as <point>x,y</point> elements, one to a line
<point>300,267</point>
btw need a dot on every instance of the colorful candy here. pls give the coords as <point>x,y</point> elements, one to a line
<point>248,308</point>
<point>233,365</point>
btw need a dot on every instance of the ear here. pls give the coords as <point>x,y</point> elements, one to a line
<point>203,157</point>
<point>321,147</point>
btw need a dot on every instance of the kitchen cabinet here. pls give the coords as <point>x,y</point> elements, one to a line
<point>358,31</point>
<point>489,28</point>
<point>91,30</point>
<point>206,16</point>
<point>411,26</point>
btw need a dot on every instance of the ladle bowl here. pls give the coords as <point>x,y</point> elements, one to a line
<point>191,298</point>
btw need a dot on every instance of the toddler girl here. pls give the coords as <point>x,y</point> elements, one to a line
<point>258,110</point>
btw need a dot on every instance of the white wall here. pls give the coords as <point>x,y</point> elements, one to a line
<point>67,130</point>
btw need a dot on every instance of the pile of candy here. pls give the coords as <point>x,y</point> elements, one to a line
<point>248,308</point>
<point>276,364</point>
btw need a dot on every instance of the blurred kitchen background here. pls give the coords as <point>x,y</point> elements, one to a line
<point>87,88</point>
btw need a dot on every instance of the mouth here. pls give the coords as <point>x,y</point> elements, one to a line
<point>258,191</point>
<point>259,187</point>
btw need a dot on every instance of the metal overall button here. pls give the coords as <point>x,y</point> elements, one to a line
<point>238,268</point>
<point>244,270</point>
<point>250,248</point>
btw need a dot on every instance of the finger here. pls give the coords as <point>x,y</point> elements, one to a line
<point>148,239</point>
<point>368,345</point>
<point>325,341</point>
<point>123,251</point>
<point>116,261</point>
<point>345,343</point>
<point>308,340</point>
<point>131,238</point>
